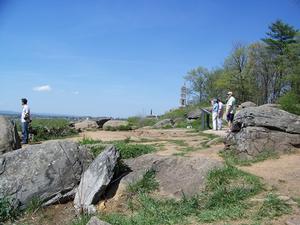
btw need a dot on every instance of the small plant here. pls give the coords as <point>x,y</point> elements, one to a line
<point>273,207</point>
<point>89,141</point>
<point>146,185</point>
<point>7,210</point>
<point>82,219</point>
<point>34,205</point>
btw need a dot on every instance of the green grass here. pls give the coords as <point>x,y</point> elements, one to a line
<point>82,219</point>
<point>273,207</point>
<point>181,143</point>
<point>48,129</point>
<point>146,185</point>
<point>141,121</point>
<point>231,158</point>
<point>34,205</point>
<point>95,146</point>
<point>7,210</point>
<point>128,150</point>
<point>89,141</point>
<point>119,128</point>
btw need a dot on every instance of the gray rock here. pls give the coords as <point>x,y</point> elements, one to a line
<point>102,121</point>
<point>247,105</point>
<point>194,114</point>
<point>95,221</point>
<point>163,123</point>
<point>9,138</point>
<point>295,220</point>
<point>264,116</point>
<point>95,179</point>
<point>85,125</point>
<point>252,141</point>
<point>48,171</point>
<point>115,124</point>
<point>177,176</point>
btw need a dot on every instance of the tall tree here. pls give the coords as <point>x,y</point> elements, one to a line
<point>196,83</point>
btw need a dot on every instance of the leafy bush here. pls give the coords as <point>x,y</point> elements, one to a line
<point>290,102</point>
<point>7,210</point>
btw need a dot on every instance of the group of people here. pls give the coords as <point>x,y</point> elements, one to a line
<point>218,111</point>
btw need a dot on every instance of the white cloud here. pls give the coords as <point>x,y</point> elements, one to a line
<point>42,88</point>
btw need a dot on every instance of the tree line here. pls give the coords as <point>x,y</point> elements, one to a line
<point>267,71</point>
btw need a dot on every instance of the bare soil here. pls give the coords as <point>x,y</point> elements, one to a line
<point>281,175</point>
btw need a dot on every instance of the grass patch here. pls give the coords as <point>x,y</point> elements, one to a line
<point>95,146</point>
<point>34,205</point>
<point>89,141</point>
<point>273,207</point>
<point>181,143</point>
<point>231,158</point>
<point>7,210</point>
<point>146,185</point>
<point>82,219</point>
<point>128,150</point>
<point>141,121</point>
<point>118,128</point>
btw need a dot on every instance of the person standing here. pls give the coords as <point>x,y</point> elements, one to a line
<point>220,113</point>
<point>230,109</point>
<point>215,109</point>
<point>25,120</point>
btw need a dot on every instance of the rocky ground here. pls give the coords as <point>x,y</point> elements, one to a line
<point>281,175</point>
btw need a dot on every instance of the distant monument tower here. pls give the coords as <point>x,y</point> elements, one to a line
<point>183,96</point>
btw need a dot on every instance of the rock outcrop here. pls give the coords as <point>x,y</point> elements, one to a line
<point>247,105</point>
<point>163,124</point>
<point>48,171</point>
<point>194,114</point>
<point>101,121</point>
<point>85,125</point>
<point>96,221</point>
<point>115,124</point>
<point>9,138</point>
<point>95,180</point>
<point>263,128</point>
<point>177,176</point>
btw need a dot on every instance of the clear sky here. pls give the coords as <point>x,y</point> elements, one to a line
<point>120,58</point>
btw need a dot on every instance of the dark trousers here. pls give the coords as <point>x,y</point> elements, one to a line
<point>25,133</point>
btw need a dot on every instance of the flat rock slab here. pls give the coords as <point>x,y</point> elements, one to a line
<point>95,179</point>
<point>48,171</point>
<point>177,176</point>
<point>295,220</point>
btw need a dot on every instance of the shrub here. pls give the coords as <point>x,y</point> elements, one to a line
<point>7,209</point>
<point>290,102</point>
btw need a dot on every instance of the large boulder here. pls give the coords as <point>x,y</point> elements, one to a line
<point>247,105</point>
<point>166,123</point>
<point>96,221</point>
<point>9,138</point>
<point>115,125</point>
<point>269,117</point>
<point>260,129</point>
<point>48,171</point>
<point>85,125</point>
<point>250,142</point>
<point>194,114</point>
<point>102,121</point>
<point>95,180</point>
<point>177,176</point>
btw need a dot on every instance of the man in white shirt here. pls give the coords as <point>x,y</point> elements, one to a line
<point>230,109</point>
<point>25,120</point>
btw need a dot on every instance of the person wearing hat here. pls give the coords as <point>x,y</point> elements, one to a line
<point>230,109</point>
<point>25,120</point>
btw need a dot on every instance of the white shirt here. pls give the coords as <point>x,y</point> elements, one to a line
<point>231,103</point>
<point>24,112</point>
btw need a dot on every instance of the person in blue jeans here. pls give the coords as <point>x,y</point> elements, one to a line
<point>25,120</point>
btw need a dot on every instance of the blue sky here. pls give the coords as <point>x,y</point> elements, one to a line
<point>120,58</point>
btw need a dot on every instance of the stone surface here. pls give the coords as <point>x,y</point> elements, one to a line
<point>95,179</point>
<point>163,123</point>
<point>9,138</point>
<point>247,105</point>
<point>177,176</point>
<point>194,114</point>
<point>86,124</point>
<point>252,141</point>
<point>102,121</point>
<point>48,171</point>
<point>95,221</point>
<point>295,220</point>
<point>269,117</point>
<point>115,124</point>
